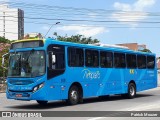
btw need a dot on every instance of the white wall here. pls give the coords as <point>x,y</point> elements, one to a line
<point>11,23</point>
<point>158,79</point>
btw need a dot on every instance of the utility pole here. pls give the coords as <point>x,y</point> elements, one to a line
<point>4,25</point>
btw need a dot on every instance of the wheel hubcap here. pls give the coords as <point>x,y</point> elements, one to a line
<point>74,95</point>
<point>132,91</point>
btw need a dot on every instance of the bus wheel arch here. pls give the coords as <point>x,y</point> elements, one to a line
<point>77,90</point>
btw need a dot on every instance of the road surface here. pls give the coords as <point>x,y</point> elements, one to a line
<point>145,101</point>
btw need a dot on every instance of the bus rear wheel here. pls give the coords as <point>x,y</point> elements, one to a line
<point>73,95</point>
<point>131,91</point>
<point>42,102</point>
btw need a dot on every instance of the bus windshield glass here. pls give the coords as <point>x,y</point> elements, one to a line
<point>27,64</point>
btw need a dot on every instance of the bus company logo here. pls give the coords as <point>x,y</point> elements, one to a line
<point>6,114</point>
<point>91,75</point>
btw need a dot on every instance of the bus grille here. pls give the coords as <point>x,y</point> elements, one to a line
<point>21,82</point>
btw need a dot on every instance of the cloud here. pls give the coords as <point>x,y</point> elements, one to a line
<point>4,1</point>
<point>45,28</point>
<point>132,12</point>
<point>84,30</point>
<point>140,5</point>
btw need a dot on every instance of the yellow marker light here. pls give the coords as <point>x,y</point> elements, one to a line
<point>131,71</point>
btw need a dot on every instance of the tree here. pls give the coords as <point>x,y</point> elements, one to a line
<point>4,48</point>
<point>4,40</point>
<point>146,50</point>
<point>77,39</point>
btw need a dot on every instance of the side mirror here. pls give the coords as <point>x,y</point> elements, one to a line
<point>3,60</point>
<point>51,59</point>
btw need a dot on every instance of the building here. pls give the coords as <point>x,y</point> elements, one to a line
<point>133,46</point>
<point>158,63</point>
<point>33,35</point>
<point>11,23</point>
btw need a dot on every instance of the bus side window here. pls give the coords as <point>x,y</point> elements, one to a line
<point>119,60</point>
<point>150,62</point>
<point>141,60</point>
<point>75,57</point>
<point>92,58</point>
<point>106,59</point>
<point>131,61</point>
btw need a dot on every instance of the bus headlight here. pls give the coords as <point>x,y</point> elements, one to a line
<point>35,88</point>
<point>38,87</point>
<point>41,85</point>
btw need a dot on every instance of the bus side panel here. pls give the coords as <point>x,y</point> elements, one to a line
<point>88,79</point>
<point>141,77</point>
<point>53,90</point>
<point>118,80</point>
<point>131,75</point>
<point>106,82</point>
<point>151,81</point>
<point>147,79</point>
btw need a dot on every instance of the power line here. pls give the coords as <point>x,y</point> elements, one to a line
<point>8,32</point>
<point>85,20</point>
<point>49,7</point>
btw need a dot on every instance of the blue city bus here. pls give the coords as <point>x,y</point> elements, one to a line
<point>48,70</point>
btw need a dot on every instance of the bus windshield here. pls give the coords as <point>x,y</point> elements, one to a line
<point>27,64</point>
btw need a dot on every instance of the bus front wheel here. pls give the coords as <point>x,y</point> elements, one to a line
<point>42,102</point>
<point>73,95</point>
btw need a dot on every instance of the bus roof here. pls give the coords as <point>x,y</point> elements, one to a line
<point>26,40</point>
<point>116,49</point>
<point>89,46</point>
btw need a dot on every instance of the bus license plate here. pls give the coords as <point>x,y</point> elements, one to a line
<point>18,95</point>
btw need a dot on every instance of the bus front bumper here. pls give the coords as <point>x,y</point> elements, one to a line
<point>26,95</point>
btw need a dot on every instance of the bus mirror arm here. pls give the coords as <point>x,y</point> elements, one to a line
<point>3,60</point>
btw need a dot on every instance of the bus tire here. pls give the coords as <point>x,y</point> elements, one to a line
<point>73,95</point>
<point>131,91</point>
<point>40,102</point>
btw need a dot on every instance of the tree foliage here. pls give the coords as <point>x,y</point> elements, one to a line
<point>77,39</point>
<point>4,48</point>
<point>146,50</point>
<point>3,40</point>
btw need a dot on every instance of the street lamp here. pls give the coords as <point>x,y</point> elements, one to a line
<point>51,27</point>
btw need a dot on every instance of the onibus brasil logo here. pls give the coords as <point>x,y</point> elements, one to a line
<point>87,74</point>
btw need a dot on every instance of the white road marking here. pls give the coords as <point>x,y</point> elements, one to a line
<point>97,118</point>
<point>143,107</point>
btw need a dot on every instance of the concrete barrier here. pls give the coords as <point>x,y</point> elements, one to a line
<point>2,88</point>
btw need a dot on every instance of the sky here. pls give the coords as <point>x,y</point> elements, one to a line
<point>110,21</point>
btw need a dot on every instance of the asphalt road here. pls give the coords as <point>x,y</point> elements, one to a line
<point>145,101</point>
